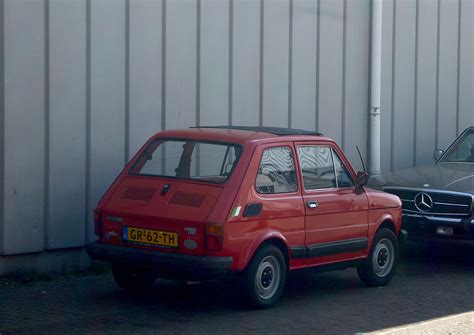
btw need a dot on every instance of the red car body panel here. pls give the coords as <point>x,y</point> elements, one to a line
<point>342,214</point>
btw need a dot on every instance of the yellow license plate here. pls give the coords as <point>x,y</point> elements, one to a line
<point>148,236</point>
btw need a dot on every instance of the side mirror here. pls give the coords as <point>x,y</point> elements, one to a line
<point>361,180</point>
<point>437,153</point>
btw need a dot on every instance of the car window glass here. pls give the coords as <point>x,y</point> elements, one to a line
<point>276,173</point>
<point>188,159</point>
<point>317,167</point>
<point>207,160</point>
<point>463,151</point>
<point>343,176</point>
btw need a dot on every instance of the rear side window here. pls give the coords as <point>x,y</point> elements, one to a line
<point>317,167</point>
<point>276,173</point>
<point>188,159</point>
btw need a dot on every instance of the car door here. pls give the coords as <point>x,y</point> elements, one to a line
<point>336,219</point>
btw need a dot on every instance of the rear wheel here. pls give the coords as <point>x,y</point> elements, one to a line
<point>265,277</point>
<point>380,266</point>
<point>133,280</point>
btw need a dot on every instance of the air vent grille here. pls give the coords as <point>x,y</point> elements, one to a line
<point>139,193</point>
<point>187,199</point>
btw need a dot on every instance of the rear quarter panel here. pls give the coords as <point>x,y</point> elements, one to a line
<point>281,217</point>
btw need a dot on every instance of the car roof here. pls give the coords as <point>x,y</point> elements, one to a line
<point>243,134</point>
<point>280,131</point>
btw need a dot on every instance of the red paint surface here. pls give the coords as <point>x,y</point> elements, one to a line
<point>342,213</point>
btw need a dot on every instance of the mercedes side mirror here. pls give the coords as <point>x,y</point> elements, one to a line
<point>437,153</point>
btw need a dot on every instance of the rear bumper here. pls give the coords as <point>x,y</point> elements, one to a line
<point>425,227</point>
<point>171,266</point>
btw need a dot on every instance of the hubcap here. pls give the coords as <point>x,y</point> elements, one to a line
<point>267,279</point>
<point>383,257</point>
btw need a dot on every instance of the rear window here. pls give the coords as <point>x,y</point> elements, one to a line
<point>187,159</point>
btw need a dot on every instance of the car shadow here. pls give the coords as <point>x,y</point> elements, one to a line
<point>438,256</point>
<point>432,281</point>
<point>192,296</point>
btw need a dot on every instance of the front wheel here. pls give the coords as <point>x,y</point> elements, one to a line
<point>133,280</point>
<point>265,277</point>
<point>381,264</point>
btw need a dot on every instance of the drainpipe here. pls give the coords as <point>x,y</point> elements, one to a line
<point>374,113</point>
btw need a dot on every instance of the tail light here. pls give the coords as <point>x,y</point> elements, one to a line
<point>214,236</point>
<point>98,221</point>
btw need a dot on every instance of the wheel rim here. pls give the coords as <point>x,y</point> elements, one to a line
<point>268,276</point>
<point>383,257</point>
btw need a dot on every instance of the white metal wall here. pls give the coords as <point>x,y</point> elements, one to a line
<point>84,83</point>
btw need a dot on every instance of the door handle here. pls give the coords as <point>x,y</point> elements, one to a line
<point>312,204</point>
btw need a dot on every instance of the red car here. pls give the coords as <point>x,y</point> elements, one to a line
<point>257,202</point>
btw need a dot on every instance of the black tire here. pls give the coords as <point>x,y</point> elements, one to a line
<point>133,280</point>
<point>381,264</point>
<point>264,279</point>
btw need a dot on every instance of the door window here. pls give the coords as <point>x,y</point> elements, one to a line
<point>276,173</point>
<point>323,168</point>
<point>343,177</point>
<point>317,167</point>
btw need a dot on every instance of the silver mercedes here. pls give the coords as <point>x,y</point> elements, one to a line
<point>438,199</point>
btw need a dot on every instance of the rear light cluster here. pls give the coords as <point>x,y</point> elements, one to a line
<point>214,236</point>
<point>98,222</point>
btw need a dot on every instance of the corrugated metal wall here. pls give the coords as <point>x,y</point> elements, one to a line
<point>428,77</point>
<point>84,83</point>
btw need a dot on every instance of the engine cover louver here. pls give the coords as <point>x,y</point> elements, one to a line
<point>187,199</point>
<point>139,193</point>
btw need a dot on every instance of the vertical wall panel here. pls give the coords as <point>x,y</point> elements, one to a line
<point>107,96</point>
<point>386,86</point>
<point>2,127</point>
<point>246,30</point>
<point>448,48</point>
<point>330,69</point>
<point>356,79</point>
<point>67,113</point>
<point>404,84</point>
<point>275,63</point>
<point>24,126</point>
<point>180,64</point>
<point>426,86</point>
<point>466,66</point>
<point>304,65</point>
<point>214,62</point>
<point>145,71</point>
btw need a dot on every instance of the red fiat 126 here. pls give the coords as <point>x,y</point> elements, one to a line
<point>258,202</point>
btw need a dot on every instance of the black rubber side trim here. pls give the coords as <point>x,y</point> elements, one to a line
<point>298,252</point>
<point>330,267</point>
<point>329,248</point>
<point>339,247</point>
